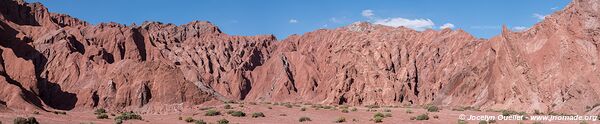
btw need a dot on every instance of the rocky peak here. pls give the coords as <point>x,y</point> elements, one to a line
<point>360,26</point>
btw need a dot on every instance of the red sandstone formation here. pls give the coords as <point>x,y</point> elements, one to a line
<point>53,61</point>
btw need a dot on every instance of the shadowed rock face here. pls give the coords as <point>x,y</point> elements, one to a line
<point>53,61</point>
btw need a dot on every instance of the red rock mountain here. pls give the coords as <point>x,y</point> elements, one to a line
<point>53,61</point>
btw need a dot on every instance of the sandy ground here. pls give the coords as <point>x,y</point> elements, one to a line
<point>273,116</point>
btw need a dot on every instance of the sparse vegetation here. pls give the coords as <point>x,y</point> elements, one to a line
<point>100,111</point>
<point>282,114</point>
<point>462,122</point>
<point>583,122</point>
<point>238,114</point>
<point>303,119</point>
<point>387,110</point>
<point>354,109</point>
<point>212,113</point>
<point>422,117</point>
<point>288,105</point>
<point>206,108</point>
<point>345,111</point>
<point>537,122</point>
<point>189,119</point>
<point>511,112</point>
<point>128,116</point>
<point>340,120</point>
<point>378,119</point>
<point>118,121</point>
<point>327,107</point>
<point>270,107</point>
<point>230,112</point>
<point>436,116</point>
<point>378,115</point>
<point>483,122</point>
<point>200,121</point>
<point>35,112</point>
<point>302,109</point>
<point>59,112</point>
<point>258,115</point>
<point>229,102</point>
<point>432,108</point>
<point>409,111</point>
<point>223,121</point>
<point>22,120</point>
<point>102,116</point>
<point>227,106</point>
<point>537,112</point>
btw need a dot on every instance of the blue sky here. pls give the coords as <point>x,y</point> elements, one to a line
<point>482,18</point>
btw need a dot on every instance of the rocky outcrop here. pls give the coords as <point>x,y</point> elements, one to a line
<point>53,61</point>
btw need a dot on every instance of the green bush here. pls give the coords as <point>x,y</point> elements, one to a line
<point>483,122</point>
<point>288,105</point>
<point>258,114</point>
<point>102,116</point>
<point>461,122</point>
<point>354,109</point>
<point>345,111</point>
<point>422,117</point>
<point>100,111</point>
<point>212,113</point>
<point>340,120</point>
<point>378,119</point>
<point>302,109</point>
<point>129,116</point>
<point>230,112</point>
<point>327,107</point>
<point>378,115</point>
<point>200,121</point>
<point>189,119</point>
<point>21,120</point>
<point>118,121</point>
<point>387,110</point>
<point>238,114</point>
<point>227,106</point>
<point>409,111</point>
<point>303,119</point>
<point>432,108</point>
<point>223,121</point>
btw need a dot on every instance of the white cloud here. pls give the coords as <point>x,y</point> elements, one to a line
<point>367,13</point>
<point>417,24</point>
<point>520,28</point>
<point>293,21</point>
<point>539,16</point>
<point>447,25</point>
